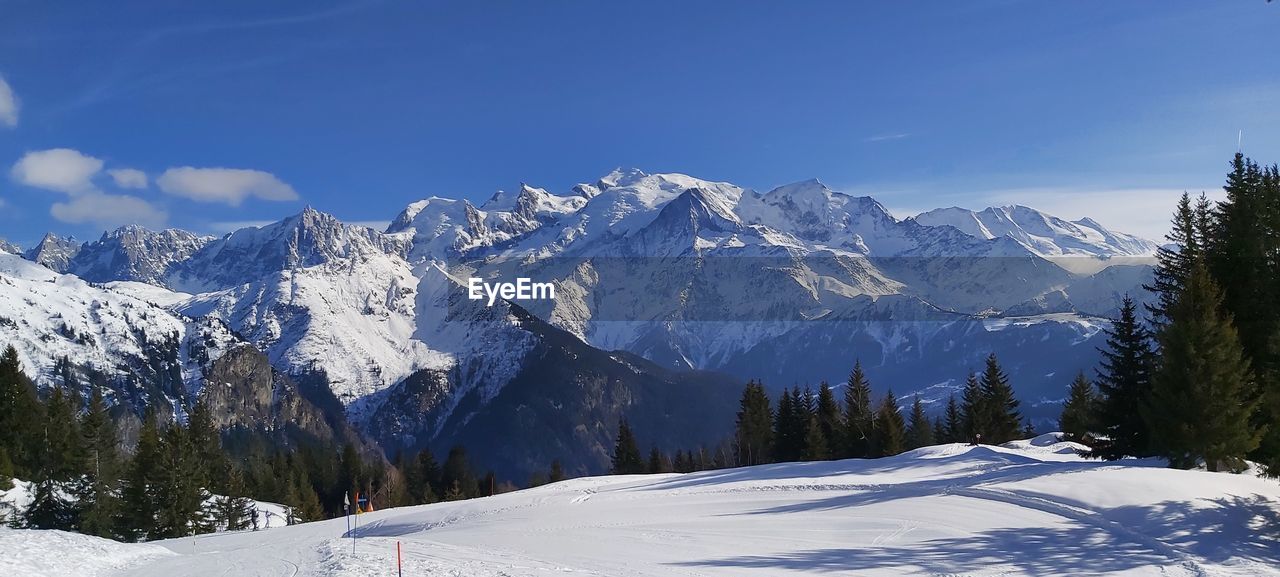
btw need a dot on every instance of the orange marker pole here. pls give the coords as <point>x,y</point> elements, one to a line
<point>399,567</point>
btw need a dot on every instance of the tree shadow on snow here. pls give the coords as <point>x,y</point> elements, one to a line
<point>1034,551</point>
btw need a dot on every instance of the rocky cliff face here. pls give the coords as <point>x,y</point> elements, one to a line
<point>244,391</point>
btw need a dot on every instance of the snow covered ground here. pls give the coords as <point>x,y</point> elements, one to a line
<point>1032,508</point>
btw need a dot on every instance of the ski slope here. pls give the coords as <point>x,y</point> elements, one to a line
<point>1030,508</point>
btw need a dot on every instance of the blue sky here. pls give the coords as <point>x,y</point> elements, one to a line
<point>205,115</point>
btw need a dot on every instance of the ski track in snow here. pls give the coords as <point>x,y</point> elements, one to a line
<point>1030,508</point>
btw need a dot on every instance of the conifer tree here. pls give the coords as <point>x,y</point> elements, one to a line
<point>788,440</point>
<point>919,429</point>
<point>940,435</point>
<point>1186,242</point>
<point>953,422</point>
<point>96,494</point>
<point>206,446</point>
<point>57,464</point>
<point>557,472</point>
<point>431,485</point>
<point>1202,397</point>
<point>20,415</point>
<point>999,404</point>
<point>974,418</point>
<point>6,471</point>
<point>1244,260</point>
<point>890,429</point>
<point>626,453</point>
<point>754,431</point>
<point>1124,383</point>
<point>139,504</point>
<point>858,414</point>
<point>179,494</point>
<point>829,420</point>
<point>1078,412</point>
<point>815,443</point>
<point>235,508</point>
<point>655,461</point>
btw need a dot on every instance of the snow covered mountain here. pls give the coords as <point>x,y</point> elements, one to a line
<point>1029,508</point>
<point>791,285</point>
<point>1082,246</point>
<point>54,252</point>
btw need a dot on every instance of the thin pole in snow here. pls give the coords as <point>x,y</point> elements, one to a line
<point>399,565</point>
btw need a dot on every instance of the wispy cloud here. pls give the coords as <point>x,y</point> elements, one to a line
<point>8,105</point>
<point>886,137</point>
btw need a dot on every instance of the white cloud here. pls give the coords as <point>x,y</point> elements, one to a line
<point>8,105</point>
<point>58,169</point>
<point>109,211</point>
<point>128,177</point>
<point>226,185</point>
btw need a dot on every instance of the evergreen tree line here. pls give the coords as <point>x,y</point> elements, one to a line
<point>186,477</point>
<point>809,425</point>
<point>627,458</point>
<point>1196,379</point>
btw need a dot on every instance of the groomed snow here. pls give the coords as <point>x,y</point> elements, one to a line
<point>1032,508</point>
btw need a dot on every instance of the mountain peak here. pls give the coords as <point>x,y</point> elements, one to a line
<point>621,177</point>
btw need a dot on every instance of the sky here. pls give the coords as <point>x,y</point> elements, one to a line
<point>213,116</point>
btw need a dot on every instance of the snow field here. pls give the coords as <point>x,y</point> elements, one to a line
<point>1029,508</point>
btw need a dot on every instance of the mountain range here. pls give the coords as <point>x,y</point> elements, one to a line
<point>671,291</point>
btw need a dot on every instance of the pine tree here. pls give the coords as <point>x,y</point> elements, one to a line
<point>206,447</point>
<point>655,464</point>
<point>235,508</point>
<point>457,474</point>
<point>1244,260</point>
<point>754,432</point>
<point>790,427</point>
<point>974,419</point>
<point>57,465</point>
<point>1124,383</point>
<point>429,486</point>
<point>829,420</point>
<point>999,404</point>
<point>6,471</point>
<point>96,495</point>
<point>139,506</point>
<point>1078,412</point>
<point>626,453</point>
<point>60,456</point>
<point>1187,238</point>
<point>815,443</point>
<point>1202,397</point>
<point>557,472</point>
<point>954,422</point>
<point>919,429</point>
<point>21,414</point>
<point>940,431</point>
<point>858,414</point>
<point>890,429</point>
<point>49,507</point>
<point>179,494</point>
